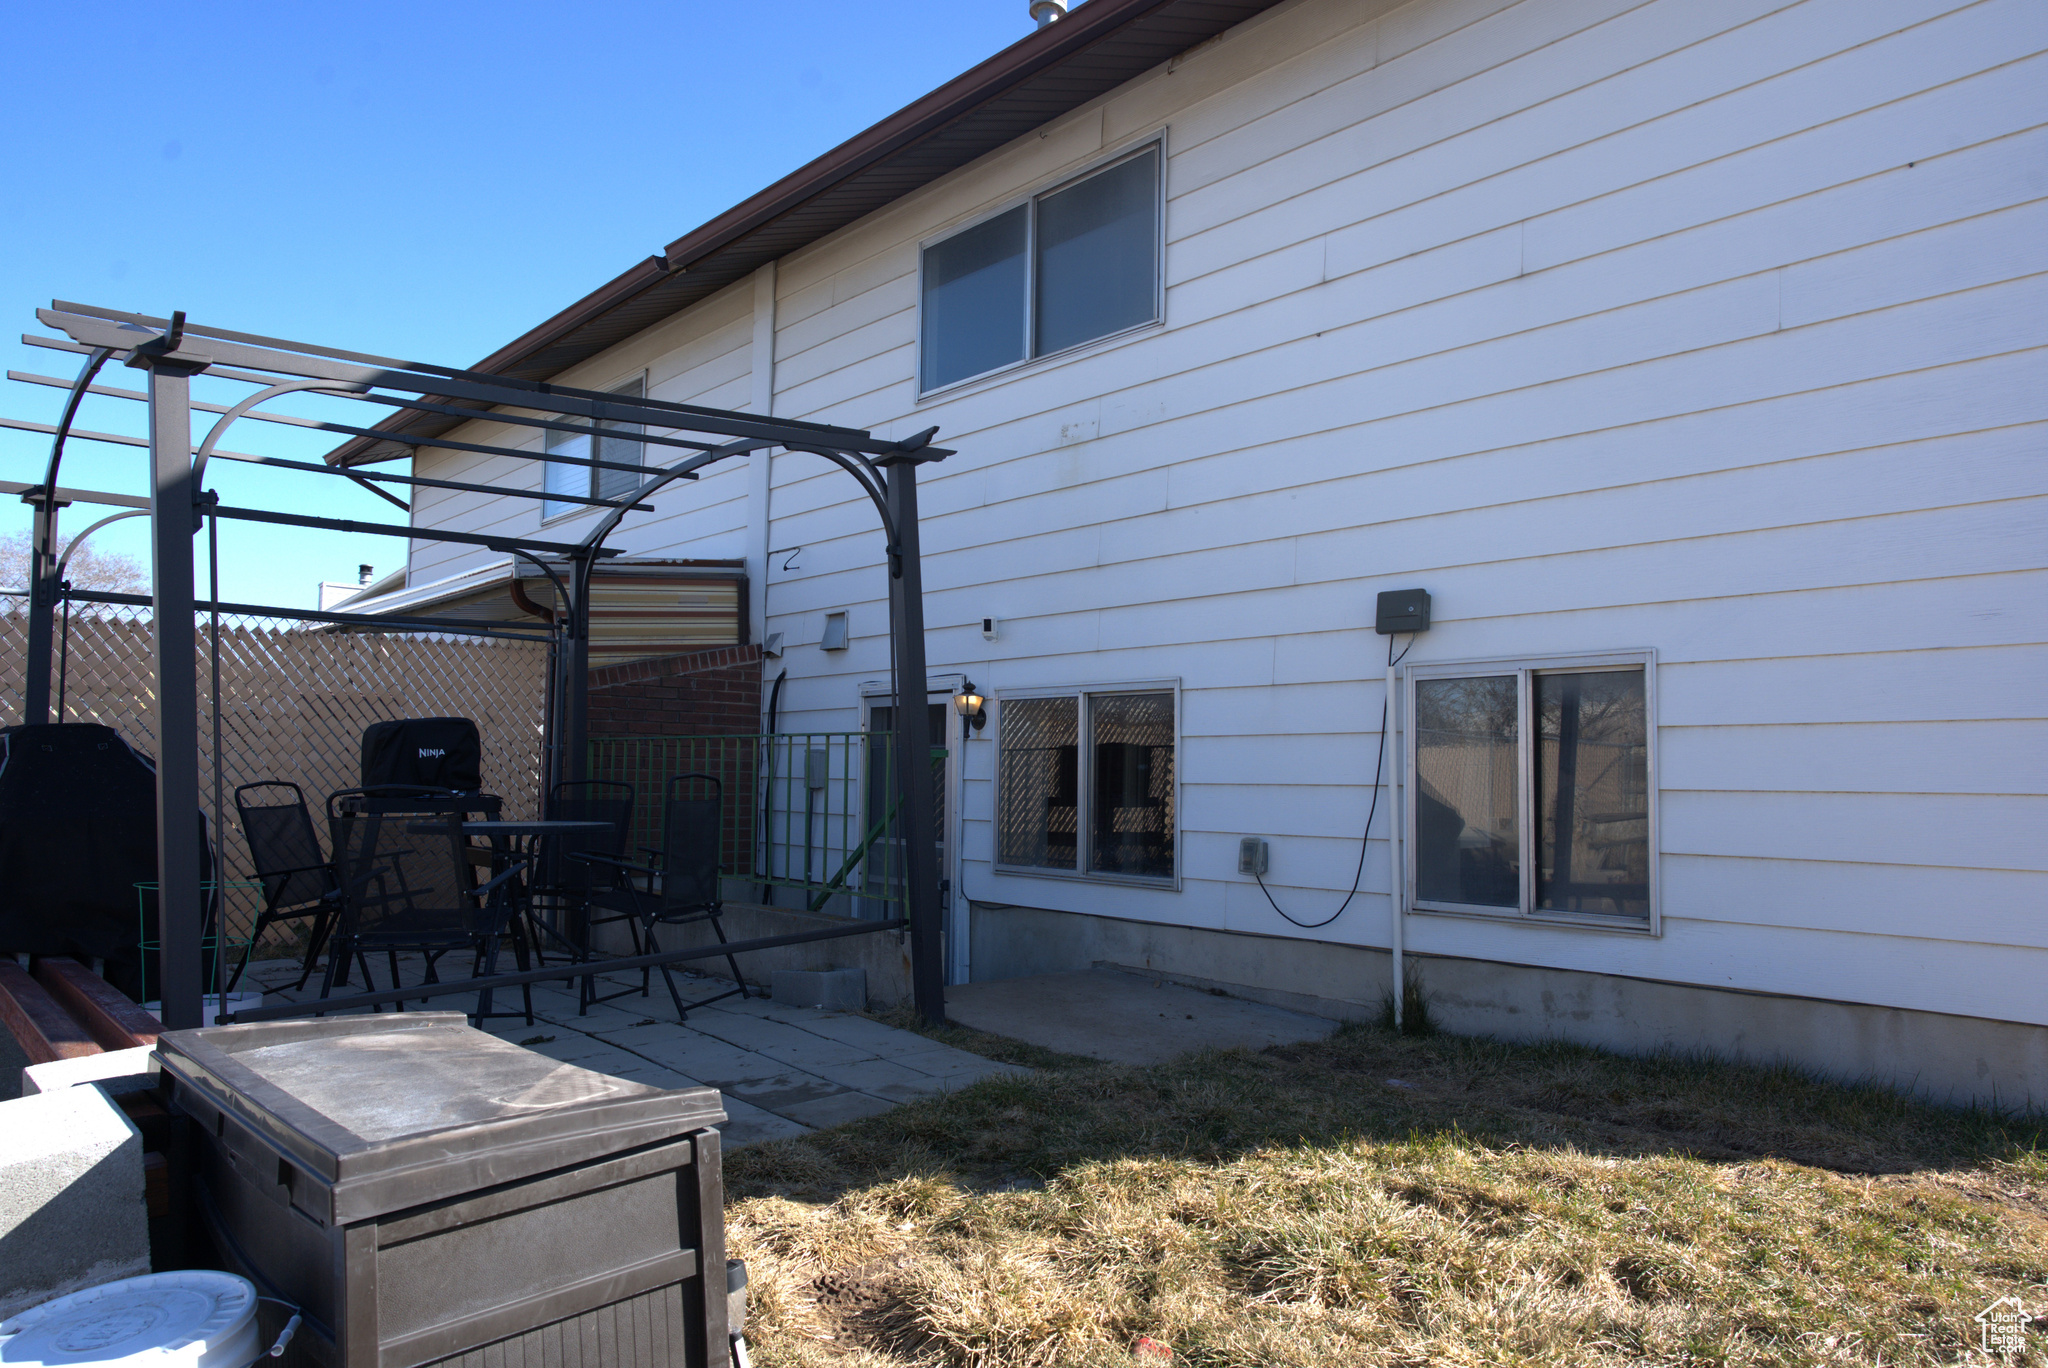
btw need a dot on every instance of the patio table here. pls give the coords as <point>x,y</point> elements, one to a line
<point>512,840</point>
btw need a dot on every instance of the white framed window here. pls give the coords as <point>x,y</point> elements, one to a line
<point>1068,266</point>
<point>1086,783</point>
<point>594,481</point>
<point>1532,789</point>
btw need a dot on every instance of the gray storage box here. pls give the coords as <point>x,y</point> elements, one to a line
<point>430,1194</point>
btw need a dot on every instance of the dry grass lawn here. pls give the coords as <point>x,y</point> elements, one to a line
<point>1381,1199</point>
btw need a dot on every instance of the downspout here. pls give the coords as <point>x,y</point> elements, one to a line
<point>551,721</point>
<point>767,864</point>
<point>760,534</point>
<point>1397,851</point>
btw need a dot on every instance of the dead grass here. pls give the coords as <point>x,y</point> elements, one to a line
<point>1510,1205</point>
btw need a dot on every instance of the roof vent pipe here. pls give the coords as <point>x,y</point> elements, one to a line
<point>1045,11</point>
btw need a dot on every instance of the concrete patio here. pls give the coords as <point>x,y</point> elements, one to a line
<point>783,1070</point>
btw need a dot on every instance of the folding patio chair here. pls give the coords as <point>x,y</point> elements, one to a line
<point>298,881</point>
<point>406,876</point>
<point>679,886</point>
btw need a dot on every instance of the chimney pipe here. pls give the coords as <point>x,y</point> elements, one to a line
<point>1046,11</point>
<point>363,574</point>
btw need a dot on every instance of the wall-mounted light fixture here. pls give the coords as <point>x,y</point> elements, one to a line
<point>968,704</point>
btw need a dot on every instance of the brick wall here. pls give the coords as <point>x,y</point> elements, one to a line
<point>715,692</point>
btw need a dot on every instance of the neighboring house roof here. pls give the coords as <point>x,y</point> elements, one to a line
<point>1095,49</point>
<point>640,608</point>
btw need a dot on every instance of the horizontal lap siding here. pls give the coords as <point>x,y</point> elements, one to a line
<point>1711,329</point>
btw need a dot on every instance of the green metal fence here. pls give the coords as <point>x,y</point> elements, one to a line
<point>809,811</point>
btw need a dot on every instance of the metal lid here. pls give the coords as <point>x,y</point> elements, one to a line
<point>204,1319</point>
<point>400,1108</point>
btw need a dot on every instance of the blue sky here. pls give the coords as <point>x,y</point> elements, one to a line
<point>424,181</point>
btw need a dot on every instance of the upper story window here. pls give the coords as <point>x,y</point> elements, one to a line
<point>1533,791</point>
<point>594,481</point>
<point>1076,263</point>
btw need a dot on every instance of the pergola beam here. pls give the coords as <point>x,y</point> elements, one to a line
<point>98,332</point>
<point>429,482</point>
<point>819,431</point>
<point>33,493</point>
<point>468,626</point>
<point>495,543</point>
<point>121,439</point>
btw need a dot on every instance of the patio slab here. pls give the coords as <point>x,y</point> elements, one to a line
<point>783,1070</point>
<point>1125,1018</point>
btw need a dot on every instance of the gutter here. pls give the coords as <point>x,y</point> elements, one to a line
<point>1026,57</point>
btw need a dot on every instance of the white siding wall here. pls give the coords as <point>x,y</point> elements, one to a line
<point>1715,329</point>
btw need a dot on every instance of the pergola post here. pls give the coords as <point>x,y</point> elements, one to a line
<point>922,904</point>
<point>171,523</point>
<point>42,606</point>
<point>575,719</point>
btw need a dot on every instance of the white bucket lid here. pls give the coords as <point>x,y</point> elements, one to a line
<point>195,1319</point>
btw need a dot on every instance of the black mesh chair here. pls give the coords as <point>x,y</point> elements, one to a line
<point>678,887</point>
<point>565,882</point>
<point>406,879</point>
<point>424,799</point>
<point>298,882</point>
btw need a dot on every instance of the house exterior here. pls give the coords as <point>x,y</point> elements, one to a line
<point>1688,357</point>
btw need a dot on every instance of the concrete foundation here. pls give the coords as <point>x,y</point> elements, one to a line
<point>1125,1018</point>
<point>72,1210</point>
<point>842,990</point>
<point>1944,1058</point>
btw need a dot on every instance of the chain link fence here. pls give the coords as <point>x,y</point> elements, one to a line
<point>294,700</point>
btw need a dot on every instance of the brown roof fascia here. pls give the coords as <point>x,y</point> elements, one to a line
<point>1026,57</point>
<point>931,115</point>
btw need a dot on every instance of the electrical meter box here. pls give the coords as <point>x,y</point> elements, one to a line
<point>1402,610</point>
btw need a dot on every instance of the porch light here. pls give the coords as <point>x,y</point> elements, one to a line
<point>968,704</point>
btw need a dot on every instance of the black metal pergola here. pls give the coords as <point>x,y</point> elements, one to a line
<point>172,351</point>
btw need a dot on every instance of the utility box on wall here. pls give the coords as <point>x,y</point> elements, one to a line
<point>430,1194</point>
<point>1401,610</point>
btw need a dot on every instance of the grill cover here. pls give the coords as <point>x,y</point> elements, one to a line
<point>434,752</point>
<point>77,833</point>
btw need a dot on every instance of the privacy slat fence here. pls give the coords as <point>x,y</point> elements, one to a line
<point>294,700</point>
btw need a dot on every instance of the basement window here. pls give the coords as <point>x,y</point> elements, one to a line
<point>1069,266</point>
<point>593,481</point>
<point>1532,792</point>
<point>1086,786</point>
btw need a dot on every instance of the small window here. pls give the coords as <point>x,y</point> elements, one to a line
<point>1104,808</point>
<point>585,481</point>
<point>1074,264</point>
<point>1531,792</point>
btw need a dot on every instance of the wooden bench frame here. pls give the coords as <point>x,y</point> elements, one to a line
<point>64,1011</point>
